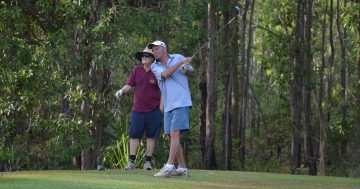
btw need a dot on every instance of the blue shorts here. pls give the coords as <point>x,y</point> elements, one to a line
<point>149,121</point>
<point>177,120</point>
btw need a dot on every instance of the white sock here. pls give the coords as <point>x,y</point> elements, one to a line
<point>182,169</point>
<point>169,167</point>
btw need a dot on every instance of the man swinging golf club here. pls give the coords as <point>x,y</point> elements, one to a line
<point>146,114</point>
<point>172,71</point>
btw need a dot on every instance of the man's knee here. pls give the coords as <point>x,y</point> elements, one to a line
<point>137,140</point>
<point>175,134</point>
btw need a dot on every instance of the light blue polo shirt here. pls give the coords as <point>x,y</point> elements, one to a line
<point>175,89</point>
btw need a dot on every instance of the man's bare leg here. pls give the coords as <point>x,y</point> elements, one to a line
<point>174,146</point>
<point>134,144</point>
<point>150,145</point>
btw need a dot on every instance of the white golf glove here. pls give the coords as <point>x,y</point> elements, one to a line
<point>119,93</point>
<point>184,68</point>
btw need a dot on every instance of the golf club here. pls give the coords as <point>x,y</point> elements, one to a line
<point>117,110</point>
<point>213,36</point>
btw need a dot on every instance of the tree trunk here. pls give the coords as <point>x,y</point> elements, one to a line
<point>182,3</point>
<point>93,78</point>
<point>235,123</point>
<point>210,162</point>
<point>203,97</point>
<point>86,159</point>
<point>86,154</point>
<point>248,67</point>
<point>226,119</point>
<point>327,109</point>
<point>226,112</point>
<point>322,128</point>
<point>296,92</point>
<point>242,75</point>
<point>228,115</point>
<point>358,74</point>
<point>307,75</point>
<point>343,67</point>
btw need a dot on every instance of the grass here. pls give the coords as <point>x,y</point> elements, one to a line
<point>144,179</point>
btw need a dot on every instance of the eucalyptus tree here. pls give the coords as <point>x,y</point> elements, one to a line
<point>229,116</point>
<point>209,158</point>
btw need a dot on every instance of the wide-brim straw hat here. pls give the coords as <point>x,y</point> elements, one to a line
<point>139,54</point>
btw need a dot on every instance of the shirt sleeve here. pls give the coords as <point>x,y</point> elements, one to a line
<point>157,70</point>
<point>190,67</point>
<point>131,79</point>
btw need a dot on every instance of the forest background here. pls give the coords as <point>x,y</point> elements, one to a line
<point>278,90</point>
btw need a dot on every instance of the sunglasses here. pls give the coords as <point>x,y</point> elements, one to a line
<point>146,56</point>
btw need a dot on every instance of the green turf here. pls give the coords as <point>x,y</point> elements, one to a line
<point>144,179</point>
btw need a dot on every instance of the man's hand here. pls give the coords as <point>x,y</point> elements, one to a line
<point>162,108</point>
<point>186,64</point>
<point>187,60</point>
<point>119,93</point>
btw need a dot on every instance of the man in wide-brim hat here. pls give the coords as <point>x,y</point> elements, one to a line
<point>146,114</point>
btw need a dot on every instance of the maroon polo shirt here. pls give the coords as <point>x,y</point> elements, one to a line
<point>146,92</point>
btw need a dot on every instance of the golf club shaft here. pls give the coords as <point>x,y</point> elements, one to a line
<point>214,35</point>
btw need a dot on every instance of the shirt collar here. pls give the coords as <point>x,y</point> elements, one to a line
<point>170,59</point>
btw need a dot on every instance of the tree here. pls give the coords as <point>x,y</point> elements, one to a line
<point>243,86</point>
<point>210,161</point>
<point>320,99</point>
<point>230,100</point>
<point>358,69</point>
<point>307,75</point>
<point>62,61</point>
<point>343,109</point>
<point>296,90</point>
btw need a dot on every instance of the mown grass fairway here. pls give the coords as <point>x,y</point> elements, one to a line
<point>144,179</point>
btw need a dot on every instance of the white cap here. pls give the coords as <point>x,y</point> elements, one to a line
<point>157,43</point>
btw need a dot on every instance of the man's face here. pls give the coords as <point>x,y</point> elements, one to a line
<point>159,51</point>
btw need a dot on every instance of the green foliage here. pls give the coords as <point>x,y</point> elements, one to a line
<point>161,151</point>
<point>117,156</point>
<point>62,62</point>
<point>7,157</point>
